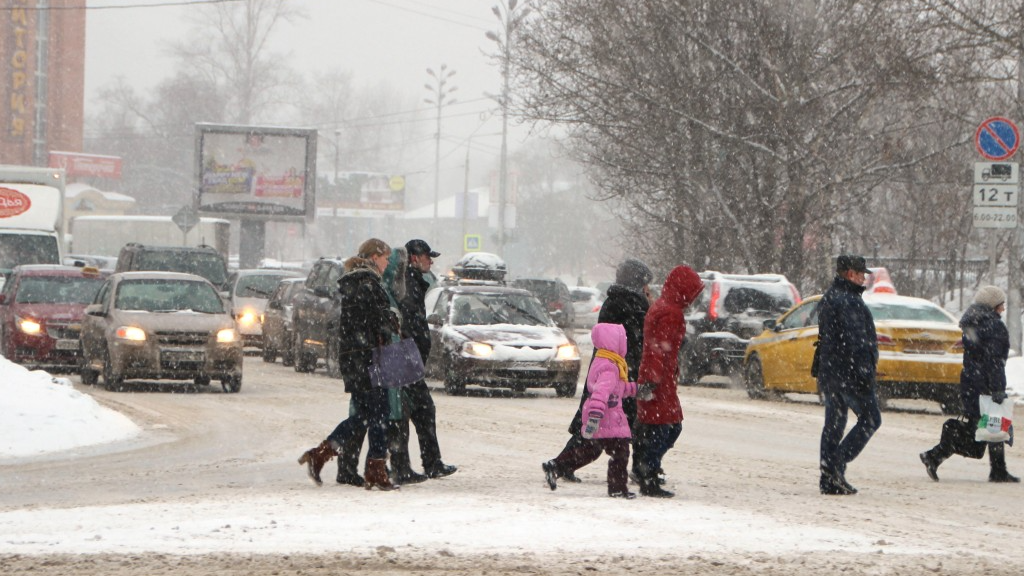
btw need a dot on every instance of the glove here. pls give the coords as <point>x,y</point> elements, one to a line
<point>645,391</point>
<point>998,397</point>
<point>593,422</point>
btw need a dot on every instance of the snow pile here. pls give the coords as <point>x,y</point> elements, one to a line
<point>40,413</point>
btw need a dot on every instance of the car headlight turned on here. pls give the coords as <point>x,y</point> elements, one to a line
<point>247,318</point>
<point>29,326</point>
<point>226,336</point>
<point>477,349</point>
<point>130,333</point>
<point>567,352</point>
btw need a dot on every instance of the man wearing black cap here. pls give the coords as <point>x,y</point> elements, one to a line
<point>418,403</point>
<point>847,357</point>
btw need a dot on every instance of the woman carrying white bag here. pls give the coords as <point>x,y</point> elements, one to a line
<point>986,347</point>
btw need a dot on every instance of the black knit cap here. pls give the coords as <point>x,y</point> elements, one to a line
<point>633,274</point>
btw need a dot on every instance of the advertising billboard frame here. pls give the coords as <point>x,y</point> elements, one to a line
<point>214,180</point>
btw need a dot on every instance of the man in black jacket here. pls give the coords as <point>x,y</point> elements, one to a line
<point>626,304</point>
<point>419,405</point>
<point>848,356</point>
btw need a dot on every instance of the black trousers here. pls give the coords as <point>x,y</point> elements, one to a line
<point>587,451</point>
<point>418,407</point>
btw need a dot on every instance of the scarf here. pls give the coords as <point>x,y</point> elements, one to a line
<point>618,360</point>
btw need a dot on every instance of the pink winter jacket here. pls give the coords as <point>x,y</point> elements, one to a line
<point>606,388</point>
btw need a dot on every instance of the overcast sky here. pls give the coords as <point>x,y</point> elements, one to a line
<point>393,40</point>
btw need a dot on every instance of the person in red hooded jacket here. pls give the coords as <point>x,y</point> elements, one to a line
<point>659,414</point>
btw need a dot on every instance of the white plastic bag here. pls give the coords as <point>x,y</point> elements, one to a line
<point>996,420</point>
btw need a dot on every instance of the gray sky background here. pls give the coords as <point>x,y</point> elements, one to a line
<point>392,40</point>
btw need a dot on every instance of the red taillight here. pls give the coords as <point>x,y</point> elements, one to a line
<point>959,345</point>
<point>556,305</point>
<point>796,294</point>
<point>596,308</point>
<point>884,339</point>
<point>713,307</point>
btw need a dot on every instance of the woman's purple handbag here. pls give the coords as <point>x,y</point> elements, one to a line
<point>396,365</point>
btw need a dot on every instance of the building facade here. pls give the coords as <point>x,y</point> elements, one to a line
<point>42,79</point>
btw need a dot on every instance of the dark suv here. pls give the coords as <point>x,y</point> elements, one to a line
<point>315,313</point>
<point>729,312</point>
<point>203,261</point>
<point>554,295</point>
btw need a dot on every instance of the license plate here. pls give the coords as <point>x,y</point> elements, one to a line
<point>182,356</point>
<point>68,344</point>
<point>526,366</point>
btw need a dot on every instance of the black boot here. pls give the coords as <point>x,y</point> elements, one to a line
<point>650,487</point>
<point>401,470</point>
<point>997,462</point>
<point>550,473</point>
<point>931,463</point>
<point>440,470</point>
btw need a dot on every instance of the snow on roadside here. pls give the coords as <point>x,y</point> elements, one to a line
<point>40,413</point>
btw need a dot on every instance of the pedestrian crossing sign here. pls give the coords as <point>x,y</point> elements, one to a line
<point>471,243</point>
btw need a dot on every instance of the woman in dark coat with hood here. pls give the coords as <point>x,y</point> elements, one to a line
<point>367,322</point>
<point>986,347</point>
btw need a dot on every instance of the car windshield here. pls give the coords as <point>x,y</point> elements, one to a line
<point>57,290</point>
<point>483,309</point>
<point>923,312</point>
<point>209,266</point>
<point>159,295</point>
<point>257,285</point>
<point>18,249</point>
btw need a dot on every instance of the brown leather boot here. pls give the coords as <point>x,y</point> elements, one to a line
<point>376,474</point>
<point>315,458</point>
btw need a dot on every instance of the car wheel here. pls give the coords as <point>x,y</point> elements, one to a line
<point>454,385</point>
<point>333,365</point>
<point>302,358</point>
<point>112,380</point>
<point>202,380</point>
<point>288,354</point>
<point>232,384</point>
<point>88,375</point>
<point>753,378</point>
<point>269,352</point>
<point>565,389</point>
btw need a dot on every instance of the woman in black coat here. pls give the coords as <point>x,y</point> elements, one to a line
<point>366,322</point>
<point>986,347</point>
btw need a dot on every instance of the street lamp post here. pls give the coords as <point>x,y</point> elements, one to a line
<point>440,93</point>
<point>510,20</point>
<point>337,155</point>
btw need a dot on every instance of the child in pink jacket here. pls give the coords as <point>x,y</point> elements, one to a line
<point>606,427</point>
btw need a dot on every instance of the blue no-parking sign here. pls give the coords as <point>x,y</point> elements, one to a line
<point>997,138</point>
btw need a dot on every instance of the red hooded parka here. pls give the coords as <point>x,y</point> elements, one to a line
<point>664,329</point>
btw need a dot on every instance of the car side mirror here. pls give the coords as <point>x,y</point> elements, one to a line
<point>434,319</point>
<point>94,310</point>
<point>322,292</point>
<point>769,324</point>
<point>274,304</point>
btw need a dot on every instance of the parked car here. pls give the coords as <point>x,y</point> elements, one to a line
<point>315,313</point>
<point>41,309</point>
<point>920,352</point>
<point>160,325</point>
<point>204,261</point>
<point>554,295</point>
<point>731,310</point>
<point>249,290</point>
<point>278,335</point>
<point>492,335</point>
<point>586,303</point>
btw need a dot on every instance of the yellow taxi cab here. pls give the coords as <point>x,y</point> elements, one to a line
<point>920,352</point>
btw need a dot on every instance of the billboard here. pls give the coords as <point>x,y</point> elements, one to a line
<point>358,194</point>
<point>255,172</point>
<point>77,164</point>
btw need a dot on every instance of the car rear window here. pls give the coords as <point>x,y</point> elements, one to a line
<point>158,295</point>
<point>257,285</point>
<point>906,311</point>
<point>209,266</point>
<point>737,298</point>
<point>57,290</point>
